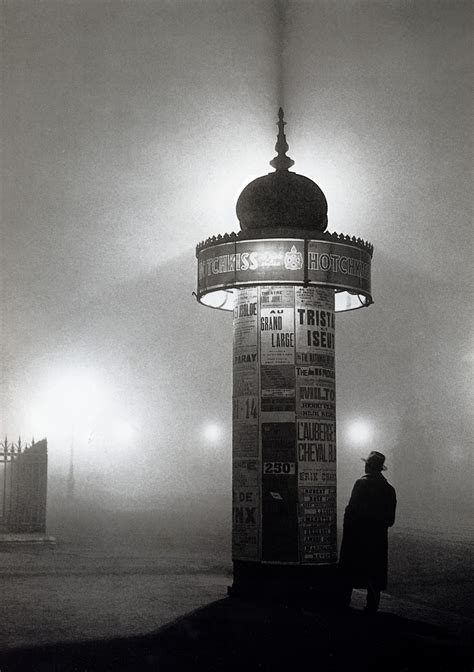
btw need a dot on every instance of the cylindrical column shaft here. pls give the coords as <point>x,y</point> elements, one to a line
<point>284,426</point>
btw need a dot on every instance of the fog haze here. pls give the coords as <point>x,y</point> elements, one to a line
<point>129,129</point>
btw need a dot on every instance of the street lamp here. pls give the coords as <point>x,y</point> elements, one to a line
<point>72,399</point>
<point>212,432</point>
<point>360,432</point>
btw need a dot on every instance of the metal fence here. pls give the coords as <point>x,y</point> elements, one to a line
<point>23,486</point>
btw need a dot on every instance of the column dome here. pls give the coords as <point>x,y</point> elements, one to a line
<point>282,199</point>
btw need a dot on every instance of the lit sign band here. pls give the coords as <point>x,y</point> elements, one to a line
<point>341,266</point>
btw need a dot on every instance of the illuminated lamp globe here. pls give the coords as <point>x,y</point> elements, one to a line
<point>212,432</point>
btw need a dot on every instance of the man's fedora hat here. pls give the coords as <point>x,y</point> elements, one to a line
<point>375,460</point>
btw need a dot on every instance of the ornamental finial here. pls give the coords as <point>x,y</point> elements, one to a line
<point>281,162</point>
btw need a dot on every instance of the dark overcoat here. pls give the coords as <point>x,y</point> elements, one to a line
<point>364,548</point>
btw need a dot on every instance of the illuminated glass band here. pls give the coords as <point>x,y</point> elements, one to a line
<point>342,266</point>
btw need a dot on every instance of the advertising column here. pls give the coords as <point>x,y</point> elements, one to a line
<point>284,425</point>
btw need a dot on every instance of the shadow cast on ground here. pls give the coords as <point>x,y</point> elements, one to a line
<point>234,634</point>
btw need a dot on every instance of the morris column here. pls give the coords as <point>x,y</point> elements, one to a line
<point>284,278</point>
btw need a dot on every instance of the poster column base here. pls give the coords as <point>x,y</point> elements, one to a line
<point>318,584</point>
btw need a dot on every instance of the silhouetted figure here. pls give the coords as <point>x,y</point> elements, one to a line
<point>364,549</point>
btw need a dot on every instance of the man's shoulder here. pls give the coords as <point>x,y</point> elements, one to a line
<point>389,489</point>
<point>377,480</point>
<point>387,484</point>
<point>361,482</point>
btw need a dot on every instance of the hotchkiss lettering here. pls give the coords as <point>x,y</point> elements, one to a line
<point>336,263</point>
<point>227,263</point>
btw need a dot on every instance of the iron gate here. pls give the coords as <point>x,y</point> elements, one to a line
<point>23,486</point>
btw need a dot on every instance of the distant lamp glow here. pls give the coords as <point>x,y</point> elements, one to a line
<point>38,420</point>
<point>74,394</point>
<point>212,432</point>
<point>360,432</point>
<point>124,431</point>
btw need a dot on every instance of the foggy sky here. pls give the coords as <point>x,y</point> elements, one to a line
<point>130,128</point>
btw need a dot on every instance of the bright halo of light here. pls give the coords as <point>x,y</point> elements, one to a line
<point>69,401</point>
<point>75,393</point>
<point>124,431</point>
<point>212,432</point>
<point>360,432</point>
<point>38,421</point>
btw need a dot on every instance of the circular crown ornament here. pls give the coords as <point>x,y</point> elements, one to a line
<point>282,199</point>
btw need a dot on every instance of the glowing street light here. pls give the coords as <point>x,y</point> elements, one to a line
<point>72,398</point>
<point>360,432</point>
<point>72,403</point>
<point>91,425</point>
<point>212,432</point>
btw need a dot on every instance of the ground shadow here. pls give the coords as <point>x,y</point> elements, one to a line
<point>234,634</point>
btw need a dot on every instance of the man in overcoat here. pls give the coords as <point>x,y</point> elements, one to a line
<point>364,550</point>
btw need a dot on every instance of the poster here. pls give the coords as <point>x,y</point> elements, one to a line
<point>278,388</point>
<point>245,509</point>
<point>316,392</point>
<point>316,452</point>
<point>279,493</point>
<point>315,382</point>
<point>245,319</point>
<point>277,325</point>
<point>245,358</point>
<point>315,323</point>
<point>277,348</point>
<point>245,442</point>
<point>318,531</point>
